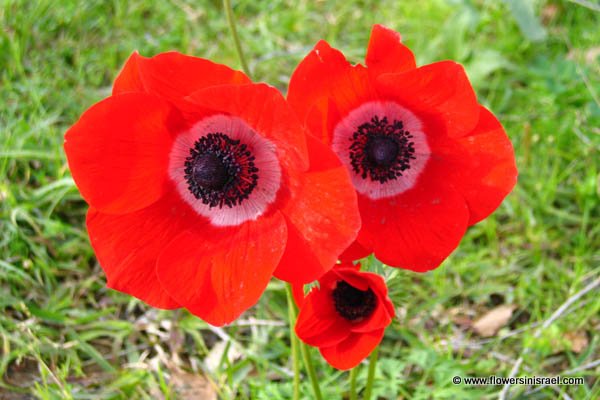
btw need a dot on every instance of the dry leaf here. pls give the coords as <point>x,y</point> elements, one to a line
<point>462,321</point>
<point>578,340</point>
<point>192,386</point>
<point>214,357</point>
<point>461,316</point>
<point>591,55</point>
<point>493,320</point>
<point>549,12</point>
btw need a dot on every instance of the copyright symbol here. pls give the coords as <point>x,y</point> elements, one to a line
<point>456,380</point>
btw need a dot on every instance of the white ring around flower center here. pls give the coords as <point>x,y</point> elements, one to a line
<point>269,170</point>
<point>342,140</point>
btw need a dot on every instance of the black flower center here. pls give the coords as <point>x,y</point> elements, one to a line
<point>210,172</point>
<point>353,304</point>
<point>381,151</point>
<point>220,171</point>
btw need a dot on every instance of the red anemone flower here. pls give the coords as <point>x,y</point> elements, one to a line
<point>426,159</point>
<point>346,316</point>
<point>202,185</point>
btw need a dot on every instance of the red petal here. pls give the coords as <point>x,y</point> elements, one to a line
<point>348,264</point>
<point>325,75</point>
<point>298,293</point>
<point>321,157</point>
<point>378,285</point>
<point>384,312</point>
<point>129,79</point>
<point>321,297</point>
<point>311,80</point>
<point>299,264</point>
<point>265,110</point>
<point>173,75</point>
<point>440,90</point>
<point>218,274</point>
<point>380,318</point>
<point>322,217</point>
<point>118,152</point>
<point>353,277</point>
<point>349,353</point>
<point>481,166</point>
<point>386,53</point>
<point>127,247</point>
<point>416,230</point>
<point>316,330</point>
<point>355,252</point>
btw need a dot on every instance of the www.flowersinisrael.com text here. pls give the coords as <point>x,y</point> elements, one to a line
<point>518,380</point>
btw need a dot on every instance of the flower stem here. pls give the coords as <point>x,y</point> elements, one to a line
<point>311,371</point>
<point>294,342</point>
<point>371,375</point>
<point>353,373</point>
<point>238,47</point>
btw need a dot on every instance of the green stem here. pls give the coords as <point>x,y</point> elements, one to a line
<point>311,371</point>
<point>294,341</point>
<point>353,373</point>
<point>371,376</point>
<point>238,47</point>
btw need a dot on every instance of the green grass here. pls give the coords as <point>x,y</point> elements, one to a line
<point>64,335</point>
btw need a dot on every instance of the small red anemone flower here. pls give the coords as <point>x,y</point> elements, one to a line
<point>426,159</point>
<point>346,316</point>
<point>202,185</point>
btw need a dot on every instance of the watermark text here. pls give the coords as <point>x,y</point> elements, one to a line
<point>517,380</point>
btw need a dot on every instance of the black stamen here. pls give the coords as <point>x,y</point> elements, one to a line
<point>381,151</point>
<point>220,171</point>
<point>353,304</point>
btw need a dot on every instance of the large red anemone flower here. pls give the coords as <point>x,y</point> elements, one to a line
<point>346,316</point>
<point>202,185</point>
<point>426,159</point>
